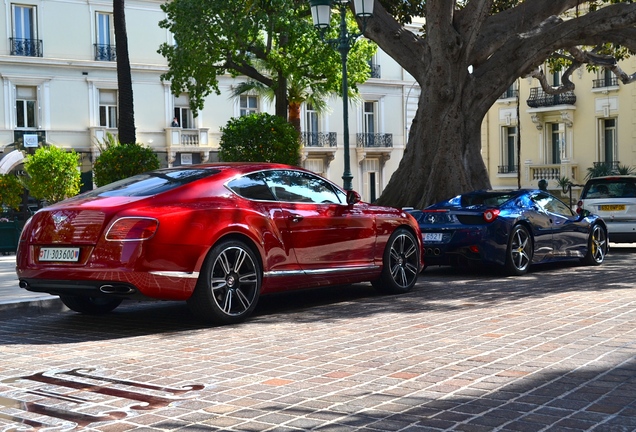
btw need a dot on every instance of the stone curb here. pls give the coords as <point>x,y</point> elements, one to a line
<point>29,307</point>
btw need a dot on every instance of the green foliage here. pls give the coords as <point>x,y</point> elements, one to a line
<point>603,169</point>
<point>108,141</point>
<point>624,170</point>
<point>564,183</point>
<point>10,191</point>
<point>271,42</point>
<point>259,138</point>
<point>52,174</point>
<point>119,161</point>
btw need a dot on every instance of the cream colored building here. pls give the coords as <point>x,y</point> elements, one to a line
<point>560,136</point>
<point>59,87</point>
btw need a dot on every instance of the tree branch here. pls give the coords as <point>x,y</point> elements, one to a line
<point>476,11</point>
<point>249,71</point>
<point>501,28</point>
<point>407,48</point>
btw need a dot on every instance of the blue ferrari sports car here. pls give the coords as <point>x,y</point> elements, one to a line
<point>513,229</point>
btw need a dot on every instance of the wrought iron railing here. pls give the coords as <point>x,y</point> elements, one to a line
<point>374,140</point>
<point>539,98</point>
<point>105,52</point>
<point>508,169</point>
<point>26,47</point>
<point>318,139</point>
<point>376,71</point>
<point>605,82</point>
<point>509,94</point>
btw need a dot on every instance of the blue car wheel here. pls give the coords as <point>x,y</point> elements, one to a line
<point>519,252</point>
<point>596,247</point>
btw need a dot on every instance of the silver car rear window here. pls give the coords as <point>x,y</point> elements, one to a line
<point>609,188</point>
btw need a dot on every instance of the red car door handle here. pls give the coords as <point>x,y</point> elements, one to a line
<point>295,218</point>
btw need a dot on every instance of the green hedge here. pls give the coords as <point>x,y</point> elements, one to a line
<point>259,138</point>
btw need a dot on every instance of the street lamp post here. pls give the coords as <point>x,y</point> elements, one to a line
<point>321,14</point>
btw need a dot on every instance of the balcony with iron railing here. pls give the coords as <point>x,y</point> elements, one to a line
<point>26,47</point>
<point>318,139</point>
<point>508,169</point>
<point>376,70</point>
<point>375,140</point>
<point>105,52</point>
<point>605,82</point>
<point>510,94</point>
<point>539,98</point>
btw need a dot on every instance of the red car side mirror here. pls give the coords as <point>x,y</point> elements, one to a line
<point>353,197</point>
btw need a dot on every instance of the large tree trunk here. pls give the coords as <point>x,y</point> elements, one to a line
<point>126,120</point>
<point>443,154</point>
<point>442,158</point>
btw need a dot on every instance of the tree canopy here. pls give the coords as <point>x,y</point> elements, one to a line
<point>466,56</point>
<point>270,42</point>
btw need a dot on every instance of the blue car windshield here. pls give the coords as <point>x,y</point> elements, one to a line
<point>150,183</point>
<point>488,199</point>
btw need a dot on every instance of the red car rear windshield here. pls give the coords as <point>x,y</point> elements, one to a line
<point>151,183</point>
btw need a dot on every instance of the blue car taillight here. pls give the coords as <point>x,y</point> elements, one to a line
<point>491,214</point>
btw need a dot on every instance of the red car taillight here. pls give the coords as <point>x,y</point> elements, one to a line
<point>132,228</point>
<point>491,214</point>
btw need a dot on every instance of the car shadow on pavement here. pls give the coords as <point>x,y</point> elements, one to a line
<point>439,289</point>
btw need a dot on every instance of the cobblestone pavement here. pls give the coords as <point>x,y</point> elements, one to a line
<point>465,351</point>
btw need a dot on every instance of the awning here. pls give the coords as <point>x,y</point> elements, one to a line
<point>10,161</point>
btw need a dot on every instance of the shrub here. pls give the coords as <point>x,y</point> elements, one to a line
<point>601,170</point>
<point>119,161</point>
<point>259,138</point>
<point>52,174</point>
<point>10,191</point>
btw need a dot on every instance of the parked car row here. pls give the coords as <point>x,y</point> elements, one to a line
<point>512,229</point>
<point>219,236</point>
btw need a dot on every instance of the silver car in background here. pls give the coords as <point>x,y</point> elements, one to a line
<point>614,199</point>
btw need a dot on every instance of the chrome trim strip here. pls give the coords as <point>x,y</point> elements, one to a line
<point>318,272</point>
<point>176,274</point>
<point>284,273</point>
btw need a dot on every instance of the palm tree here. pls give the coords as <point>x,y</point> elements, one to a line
<point>296,95</point>
<point>126,113</point>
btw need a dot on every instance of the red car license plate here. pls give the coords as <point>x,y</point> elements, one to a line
<point>59,254</point>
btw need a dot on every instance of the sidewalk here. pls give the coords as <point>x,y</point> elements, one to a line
<point>15,299</point>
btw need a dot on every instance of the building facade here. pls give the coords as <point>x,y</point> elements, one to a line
<point>529,135</point>
<point>59,87</point>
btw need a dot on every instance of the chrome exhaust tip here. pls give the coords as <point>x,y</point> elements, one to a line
<point>23,284</point>
<point>116,289</point>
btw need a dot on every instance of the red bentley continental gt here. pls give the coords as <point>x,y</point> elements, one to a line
<point>217,236</point>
